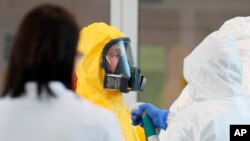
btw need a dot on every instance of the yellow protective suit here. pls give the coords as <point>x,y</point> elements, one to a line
<point>90,77</point>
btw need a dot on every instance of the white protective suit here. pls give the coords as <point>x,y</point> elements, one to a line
<point>63,118</point>
<point>213,98</point>
<point>239,29</point>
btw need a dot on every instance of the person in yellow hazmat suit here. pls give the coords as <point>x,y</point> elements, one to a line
<point>107,71</point>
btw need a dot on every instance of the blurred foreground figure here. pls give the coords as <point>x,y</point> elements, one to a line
<point>239,28</point>
<point>213,99</point>
<point>38,103</point>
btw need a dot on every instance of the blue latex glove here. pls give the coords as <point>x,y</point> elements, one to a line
<point>158,116</point>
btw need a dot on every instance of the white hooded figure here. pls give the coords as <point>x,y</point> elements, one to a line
<point>239,29</point>
<point>214,98</point>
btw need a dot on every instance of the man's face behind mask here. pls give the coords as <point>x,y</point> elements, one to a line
<point>113,57</point>
<point>118,65</point>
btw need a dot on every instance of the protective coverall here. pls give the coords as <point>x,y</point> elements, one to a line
<point>238,28</point>
<point>213,98</point>
<point>90,77</point>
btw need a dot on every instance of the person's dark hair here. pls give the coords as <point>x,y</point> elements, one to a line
<point>43,51</point>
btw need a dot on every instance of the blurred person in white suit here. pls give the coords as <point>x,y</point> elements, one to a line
<point>213,99</point>
<point>239,29</point>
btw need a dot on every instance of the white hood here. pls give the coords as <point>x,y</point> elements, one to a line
<point>213,69</point>
<point>239,28</point>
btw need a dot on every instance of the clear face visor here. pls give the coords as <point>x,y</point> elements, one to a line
<point>120,71</point>
<point>118,58</point>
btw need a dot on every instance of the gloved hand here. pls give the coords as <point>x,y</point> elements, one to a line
<point>158,116</point>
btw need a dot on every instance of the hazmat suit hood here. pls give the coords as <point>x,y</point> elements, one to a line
<point>239,28</point>
<point>90,74</point>
<point>213,69</point>
<point>214,98</point>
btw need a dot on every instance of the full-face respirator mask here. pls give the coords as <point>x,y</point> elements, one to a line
<point>120,71</point>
